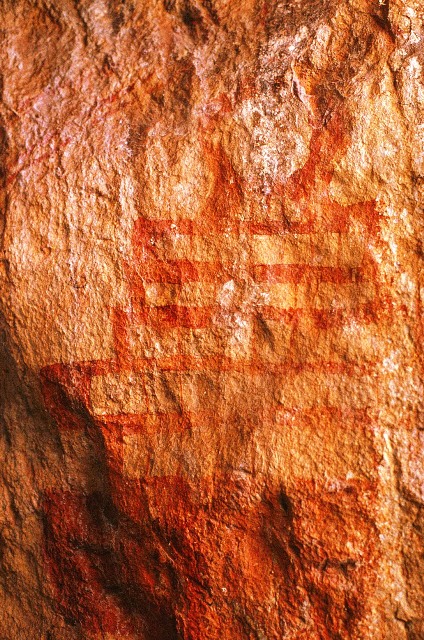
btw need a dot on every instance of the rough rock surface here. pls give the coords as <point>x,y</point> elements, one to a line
<point>211,297</point>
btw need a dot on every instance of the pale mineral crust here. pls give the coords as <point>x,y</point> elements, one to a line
<point>211,320</point>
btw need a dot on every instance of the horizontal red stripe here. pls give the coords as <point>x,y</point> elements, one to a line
<point>175,316</point>
<point>334,219</point>
<point>181,271</point>
<point>80,373</point>
<point>303,273</point>
<point>127,424</point>
<point>198,317</point>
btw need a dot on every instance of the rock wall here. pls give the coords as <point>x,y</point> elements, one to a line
<point>211,315</point>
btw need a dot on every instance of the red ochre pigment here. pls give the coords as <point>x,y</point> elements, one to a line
<point>167,557</point>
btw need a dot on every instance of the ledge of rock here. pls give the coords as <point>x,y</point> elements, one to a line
<point>211,320</point>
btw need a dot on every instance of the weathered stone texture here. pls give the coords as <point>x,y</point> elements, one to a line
<point>211,299</point>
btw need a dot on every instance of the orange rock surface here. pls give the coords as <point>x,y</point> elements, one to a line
<point>211,285</point>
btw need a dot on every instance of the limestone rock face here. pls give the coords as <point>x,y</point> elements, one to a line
<point>211,299</point>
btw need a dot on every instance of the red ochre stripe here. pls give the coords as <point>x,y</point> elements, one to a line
<point>305,273</point>
<point>181,363</point>
<point>175,316</point>
<point>126,424</point>
<point>201,317</point>
<point>334,219</point>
